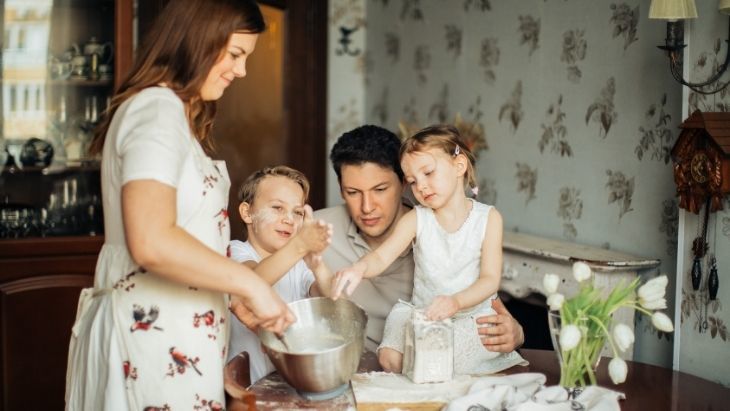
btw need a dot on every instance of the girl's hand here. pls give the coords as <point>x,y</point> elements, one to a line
<point>347,280</point>
<point>443,306</point>
<point>314,235</point>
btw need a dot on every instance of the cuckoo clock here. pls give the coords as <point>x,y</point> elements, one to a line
<point>701,158</point>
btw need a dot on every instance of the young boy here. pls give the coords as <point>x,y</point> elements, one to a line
<point>281,230</point>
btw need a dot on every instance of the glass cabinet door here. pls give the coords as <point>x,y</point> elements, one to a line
<point>57,77</point>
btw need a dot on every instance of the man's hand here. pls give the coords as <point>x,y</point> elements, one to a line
<point>503,333</point>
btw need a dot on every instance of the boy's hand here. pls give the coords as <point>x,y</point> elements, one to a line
<point>314,235</point>
<point>443,306</point>
<point>347,280</point>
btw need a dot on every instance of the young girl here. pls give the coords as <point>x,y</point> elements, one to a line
<point>457,252</point>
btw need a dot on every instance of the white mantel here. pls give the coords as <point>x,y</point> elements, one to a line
<point>527,258</point>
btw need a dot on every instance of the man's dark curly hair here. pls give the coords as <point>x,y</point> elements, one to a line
<point>367,144</point>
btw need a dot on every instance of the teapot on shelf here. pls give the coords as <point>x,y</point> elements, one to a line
<point>91,60</point>
<point>104,51</point>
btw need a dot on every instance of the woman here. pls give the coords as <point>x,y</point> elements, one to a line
<point>152,332</point>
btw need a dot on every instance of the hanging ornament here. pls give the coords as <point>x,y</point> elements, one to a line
<point>699,249</point>
<point>713,282</point>
<point>696,273</point>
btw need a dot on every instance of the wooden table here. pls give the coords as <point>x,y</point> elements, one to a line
<point>647,388</point>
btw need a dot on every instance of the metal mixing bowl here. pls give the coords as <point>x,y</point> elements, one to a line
<point>325,345</point>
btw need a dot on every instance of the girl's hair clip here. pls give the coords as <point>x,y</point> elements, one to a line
<point>475,191</point>
<point>457,150</point>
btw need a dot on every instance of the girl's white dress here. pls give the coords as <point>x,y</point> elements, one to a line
<point>141,342</point>
<point>447,263</point>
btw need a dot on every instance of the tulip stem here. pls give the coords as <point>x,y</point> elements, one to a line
<point>608,334</point>
<point>637,307</point>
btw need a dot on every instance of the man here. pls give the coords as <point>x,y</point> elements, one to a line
<point>366,161</point>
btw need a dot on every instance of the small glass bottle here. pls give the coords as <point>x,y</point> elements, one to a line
<point>58,127</point>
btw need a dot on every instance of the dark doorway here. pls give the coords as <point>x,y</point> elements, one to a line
<point>531,313</point>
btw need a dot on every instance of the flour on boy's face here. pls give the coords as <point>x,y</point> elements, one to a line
<point>276,214</point>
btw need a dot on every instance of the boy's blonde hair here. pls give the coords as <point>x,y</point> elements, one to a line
<point>444,137</point>
<point>247,191</point>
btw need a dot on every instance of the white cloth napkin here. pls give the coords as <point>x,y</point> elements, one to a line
<point>526,391</point>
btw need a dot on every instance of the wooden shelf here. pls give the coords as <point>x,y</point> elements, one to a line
<point>19,248</point>
<point>81,82</point>
<point>84,166</point>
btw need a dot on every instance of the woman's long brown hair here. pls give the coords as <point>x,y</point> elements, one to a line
<point>186,40</point>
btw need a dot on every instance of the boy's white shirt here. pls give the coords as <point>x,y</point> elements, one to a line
<point>293,286</point>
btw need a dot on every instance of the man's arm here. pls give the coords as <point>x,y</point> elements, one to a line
<point>505,334</point>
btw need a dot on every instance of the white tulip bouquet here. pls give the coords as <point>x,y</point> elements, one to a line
<point>586,318</point>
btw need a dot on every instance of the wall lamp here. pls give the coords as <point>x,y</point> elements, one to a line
<point>675,12</point>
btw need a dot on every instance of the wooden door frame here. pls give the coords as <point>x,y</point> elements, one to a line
<point>305,90</point>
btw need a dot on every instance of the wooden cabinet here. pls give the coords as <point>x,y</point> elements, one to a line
<point>40,277</point>
<point>40,281</point>
<point>51,81</point>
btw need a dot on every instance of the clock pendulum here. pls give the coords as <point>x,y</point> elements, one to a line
<point>713,282</point>
<point>699,248</point>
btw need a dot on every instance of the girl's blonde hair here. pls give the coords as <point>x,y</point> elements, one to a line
<point>444,137</point>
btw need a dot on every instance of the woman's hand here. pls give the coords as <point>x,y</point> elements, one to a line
<point>503,333</point>
<point>263,309</point>
<point>244,315</point>
<point>347,279</point>
<point>443,306</point>
<point>314,235</point>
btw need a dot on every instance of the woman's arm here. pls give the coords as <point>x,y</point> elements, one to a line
<point>379,259</point>
<point>158,244</point>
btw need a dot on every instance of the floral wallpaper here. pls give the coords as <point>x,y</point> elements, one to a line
<point>565,91</point>
<point>578,111</point>
<point>349,60</point>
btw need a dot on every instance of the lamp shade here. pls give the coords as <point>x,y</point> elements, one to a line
<point>673,9</point>
<point>724,6</point>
